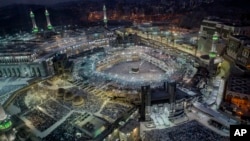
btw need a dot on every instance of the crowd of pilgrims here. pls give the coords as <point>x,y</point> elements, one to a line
<point>190,131</point>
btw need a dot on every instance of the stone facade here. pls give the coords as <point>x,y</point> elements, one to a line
<point>29,69</point>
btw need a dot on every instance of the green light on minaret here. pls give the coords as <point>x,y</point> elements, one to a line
<point>34,30</point>
<point>50,27</point>
<point>215,36</point>
<point>46,13</point>
<point>5,125</point>
<point>212,54</point>
<point>32,14</point>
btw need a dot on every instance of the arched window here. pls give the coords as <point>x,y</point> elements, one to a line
<point>14,72</point>
<point>9,72</point>
<point>229,98</point>
<point>5,72</point>
<point>19,72</point>
<point>39,72</point>
<point>245,53</point>
<point>33,72</point>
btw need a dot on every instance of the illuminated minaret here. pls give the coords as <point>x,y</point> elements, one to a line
<point>34,28</point>
<point>213,52</point>
<point>105,20</point>
<point>49,26</point>
<point>5,122</point>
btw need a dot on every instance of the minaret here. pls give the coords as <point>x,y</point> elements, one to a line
<point>5,121</point>
<point>105,20</point>
<point>49,26</point>
<point>34,28</point>
<point>213,54</point>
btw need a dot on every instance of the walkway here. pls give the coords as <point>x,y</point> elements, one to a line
<point>203,119</point>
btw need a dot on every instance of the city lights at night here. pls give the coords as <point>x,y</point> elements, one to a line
<point>124,70</point>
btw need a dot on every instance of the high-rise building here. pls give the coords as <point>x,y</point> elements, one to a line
<point>34,26</point>
<point>223,27</point>
<point>145,102</point>
<point>105,20</point>
<point>171,88</point>
<point>238,49</point>
<point>49,26</point>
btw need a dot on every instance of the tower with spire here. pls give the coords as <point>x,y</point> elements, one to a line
<point>213,51</point>
<point>105,20</point>
<point>49,26</point>
<point>34,26</point>
<point>213,54</point>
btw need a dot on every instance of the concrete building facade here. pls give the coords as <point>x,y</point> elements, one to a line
<point>224,28</point>
<point>238,49</point>
<point>28,69</point>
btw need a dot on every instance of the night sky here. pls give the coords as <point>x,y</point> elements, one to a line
<point>8,2</point>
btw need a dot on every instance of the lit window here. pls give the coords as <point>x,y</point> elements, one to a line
<point>245,53</point>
